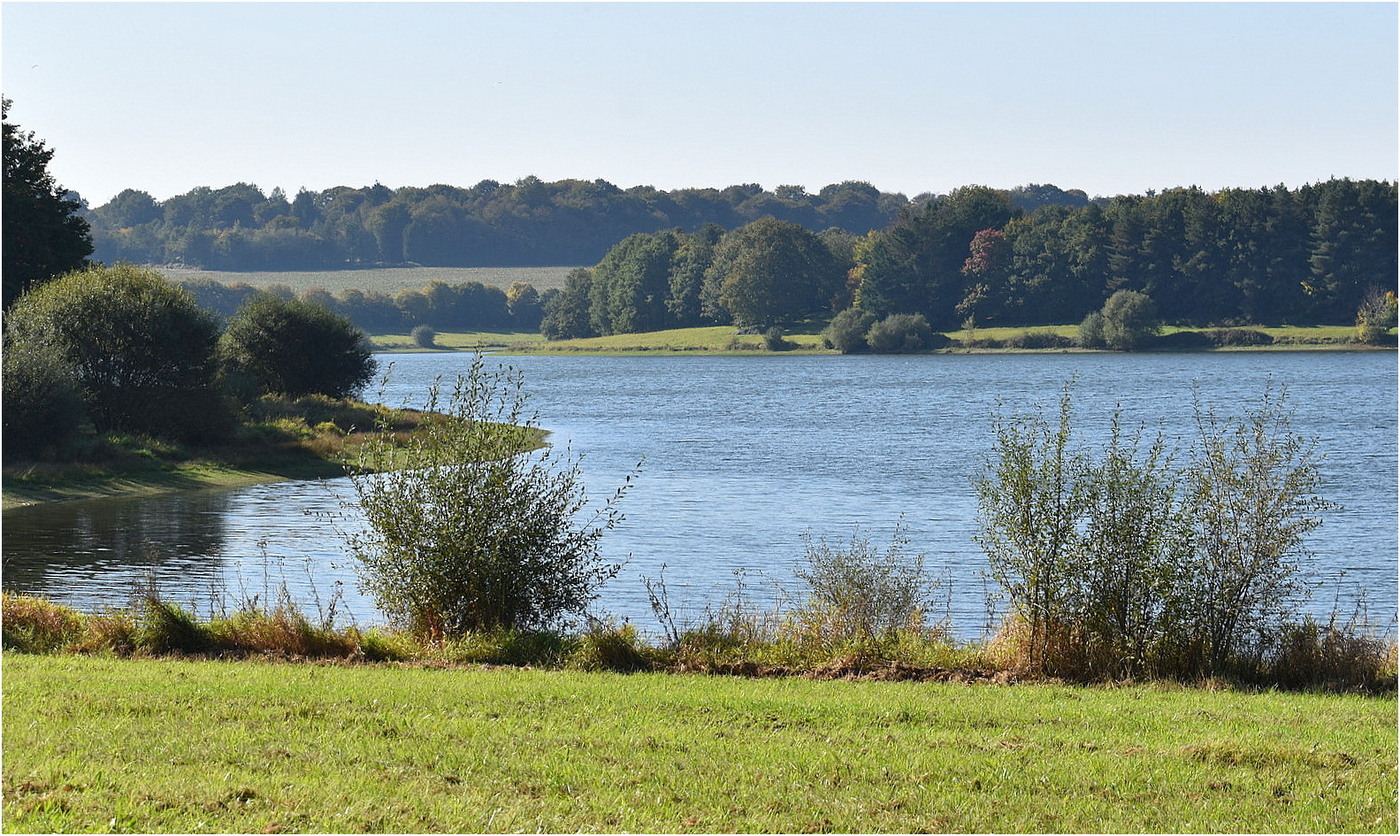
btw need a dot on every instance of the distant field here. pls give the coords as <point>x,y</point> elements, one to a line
<point>384,279</point>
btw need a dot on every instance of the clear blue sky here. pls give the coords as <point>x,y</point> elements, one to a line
<point>913,97</point>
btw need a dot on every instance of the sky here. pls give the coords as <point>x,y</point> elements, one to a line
<point>1110,98</point>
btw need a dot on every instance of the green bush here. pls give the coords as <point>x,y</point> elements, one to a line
<point>1238,337</point>
<point>423,336</point>
<point>859,592</point>
<point>846,332</point>
<point>773,340</point>
<point>141,351</point>
<point>467,531</point>
<point>43,406</point>
<point>608,647</point>
<point>1038,339</point>
<point>1123,564</point>
<point>903,334</point>
<point>1091,331</point>
<point>1129,320</point>
<point>294,347</point>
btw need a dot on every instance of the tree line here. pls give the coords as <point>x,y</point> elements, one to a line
<point>528,223</point>
<point>975,258</point>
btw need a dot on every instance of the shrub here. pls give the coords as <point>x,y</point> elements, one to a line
<point>33,625</point>
<point>847,330</point>
<point>295,347</point>
<point>860,592</point>
<point>1238,336</point>
<point>1038,339</point>
<point>423,336</point>
<point>141,351</point>
<point>1129,319</point>
<point>773,340</point>
<point>1122,564</point>
<point>1091,331</point>
<point>902,334</point>
<point>608,647</point>
<point>165,627</point>
<point>1376,316</point>
<point>466,530</point>
<point>43,405</point>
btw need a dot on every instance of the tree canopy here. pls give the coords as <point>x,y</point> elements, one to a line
<point>44,235</point>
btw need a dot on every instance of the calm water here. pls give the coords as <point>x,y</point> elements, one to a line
<point>743,456</point>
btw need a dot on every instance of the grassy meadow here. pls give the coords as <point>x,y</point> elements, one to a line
<point>158,745</point>
<point>388,280</point>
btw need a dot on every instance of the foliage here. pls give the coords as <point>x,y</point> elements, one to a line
<point>1129,320</point>
<point>566,314</point>
<point>294,347</point>
<point>860,592</point>
<point>773,340</point>
<point>847,330</point>
<point>143,354</point>
<point>466,530</point>
<point>44,236</point>
<point>529,222</point>
<point>1124,564</point>
<point>1253,499</point>
<point>1376,316</point>
<point>902,334</point>
<point>423,336</point>
<point>43,405</point>
<point>771,272</point>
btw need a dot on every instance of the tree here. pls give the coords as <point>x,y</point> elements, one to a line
<point>631,285</point>
<point>1376,316</point>
<point>1129,319</point>
<point>43,234</point>
<point>141,350</point>
<point>467,531</point>
<point>295,347</point>
<point>772,272</point>
<point>43,404</point>
<point>846,332</point>
<point>566,313</point>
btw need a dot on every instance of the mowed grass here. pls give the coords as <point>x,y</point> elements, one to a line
<point>388,280</point>
<point>716,338</point>
<point>102,744</point>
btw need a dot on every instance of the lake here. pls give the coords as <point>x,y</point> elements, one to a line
<point>743,457</point>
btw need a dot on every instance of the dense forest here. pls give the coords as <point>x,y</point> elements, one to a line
<point>529,223</point>
<point>973,257</point>
<point>977,256</point>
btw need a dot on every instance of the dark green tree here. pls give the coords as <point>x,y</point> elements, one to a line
<point>773,272</point>
<point>566,312</point>
<point>631,285</point>
<point>43,234</point>
<point>295,347</point>
<point>142,352</point>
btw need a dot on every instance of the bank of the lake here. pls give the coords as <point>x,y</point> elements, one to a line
<point>157,745</point>
<point>807,339</point>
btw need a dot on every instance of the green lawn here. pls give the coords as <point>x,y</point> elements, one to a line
<point>101,744</point>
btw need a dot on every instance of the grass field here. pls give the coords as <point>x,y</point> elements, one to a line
<point>726,339</point>
<point>101,744</point>
<point>388,280</point>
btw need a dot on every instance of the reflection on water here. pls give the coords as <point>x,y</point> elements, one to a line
<point>745,455</point>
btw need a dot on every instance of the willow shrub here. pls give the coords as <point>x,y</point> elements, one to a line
<point>1122,563</point>
<point>469,528</point>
